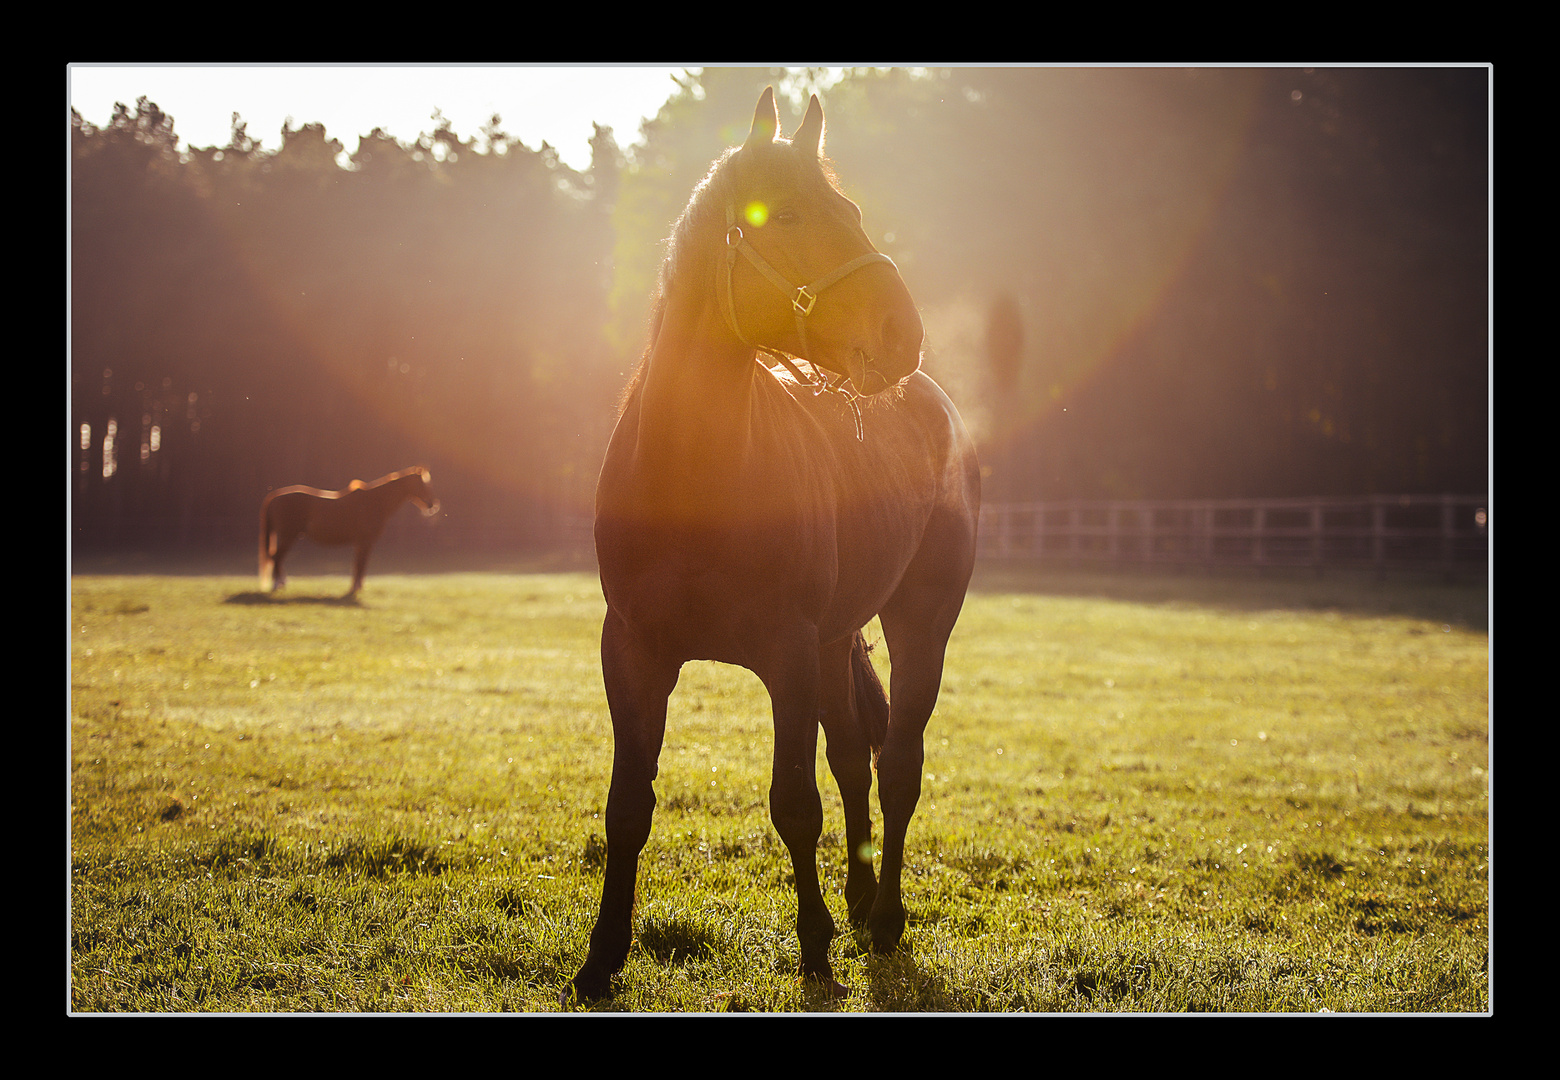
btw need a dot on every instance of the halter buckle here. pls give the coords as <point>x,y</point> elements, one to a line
<point>802,293</point>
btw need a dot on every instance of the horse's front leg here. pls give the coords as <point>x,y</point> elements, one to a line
<point>284,543</point>
<point>792,677</point>
<point>359,566</point>
<point>638,684</point>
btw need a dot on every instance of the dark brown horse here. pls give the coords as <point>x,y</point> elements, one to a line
<point>355,516</point>
<point>744,516</point>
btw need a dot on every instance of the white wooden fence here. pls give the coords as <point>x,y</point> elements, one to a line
<point>1438,532</point>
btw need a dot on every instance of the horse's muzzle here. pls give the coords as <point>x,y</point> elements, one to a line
<point>896,357</point>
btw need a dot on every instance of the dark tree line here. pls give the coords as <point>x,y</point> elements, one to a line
<point>1150,283</point>
<point>282,319</point>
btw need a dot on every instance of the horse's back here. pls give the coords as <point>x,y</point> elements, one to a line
<point>287,506</point>
<point>326,516</point>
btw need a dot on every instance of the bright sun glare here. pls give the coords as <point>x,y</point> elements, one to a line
<point>554,104</point>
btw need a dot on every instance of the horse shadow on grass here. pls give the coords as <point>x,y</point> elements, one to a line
<point>896,981</point>
<point>253,597</point>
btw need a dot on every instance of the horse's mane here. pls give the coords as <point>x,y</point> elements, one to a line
<point>688,249</point>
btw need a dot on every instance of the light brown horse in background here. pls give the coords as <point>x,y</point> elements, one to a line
<point>355,516</point>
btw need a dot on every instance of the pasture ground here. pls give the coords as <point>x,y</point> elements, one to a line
<point>1176,794</point>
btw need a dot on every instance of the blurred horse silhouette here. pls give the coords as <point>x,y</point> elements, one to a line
<point>355,516</point>
<point>759,514</point>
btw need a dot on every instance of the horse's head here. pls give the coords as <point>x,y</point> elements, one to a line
<point>808,281</point>
<point>422,491</point>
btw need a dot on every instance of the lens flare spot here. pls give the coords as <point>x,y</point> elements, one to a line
<point>756,214</point>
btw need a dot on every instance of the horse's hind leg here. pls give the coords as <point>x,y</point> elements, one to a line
<point>846,694</point>
<point>637,688</point>
<point>266,566</point>
<point>917,621</point>
<point>283,539</point>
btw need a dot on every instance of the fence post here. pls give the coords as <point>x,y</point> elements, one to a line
<point>1448,535</point>
<point>1378,535</point>
<point>1316,536</point>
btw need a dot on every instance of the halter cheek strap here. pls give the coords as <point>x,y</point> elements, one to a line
<point>803,298</point>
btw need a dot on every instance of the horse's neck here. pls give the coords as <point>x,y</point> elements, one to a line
<point>696,395</point>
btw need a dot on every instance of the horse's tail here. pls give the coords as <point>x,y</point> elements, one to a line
<point>871,700</point>
<point>267,546</point>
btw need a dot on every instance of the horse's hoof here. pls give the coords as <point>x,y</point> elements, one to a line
<point>885,943</point>
<point>571,998</point>
<point>824,980</point>
<point>886,934</point>
<point>585,988</point>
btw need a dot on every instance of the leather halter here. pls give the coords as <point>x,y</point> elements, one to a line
<point>803,298</point>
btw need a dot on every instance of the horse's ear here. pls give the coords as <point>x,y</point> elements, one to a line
<point>810,135</point>
<point>766,120</point>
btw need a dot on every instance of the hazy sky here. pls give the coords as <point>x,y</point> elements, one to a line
<point>537,103</point>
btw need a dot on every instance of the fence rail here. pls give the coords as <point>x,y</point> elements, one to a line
<point>1437,532</point>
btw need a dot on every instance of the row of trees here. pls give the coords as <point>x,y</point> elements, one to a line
<point>1139,283</point>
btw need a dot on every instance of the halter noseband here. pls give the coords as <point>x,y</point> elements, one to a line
<point>803,298</point>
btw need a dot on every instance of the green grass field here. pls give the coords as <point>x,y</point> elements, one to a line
<point>1141,795</point>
